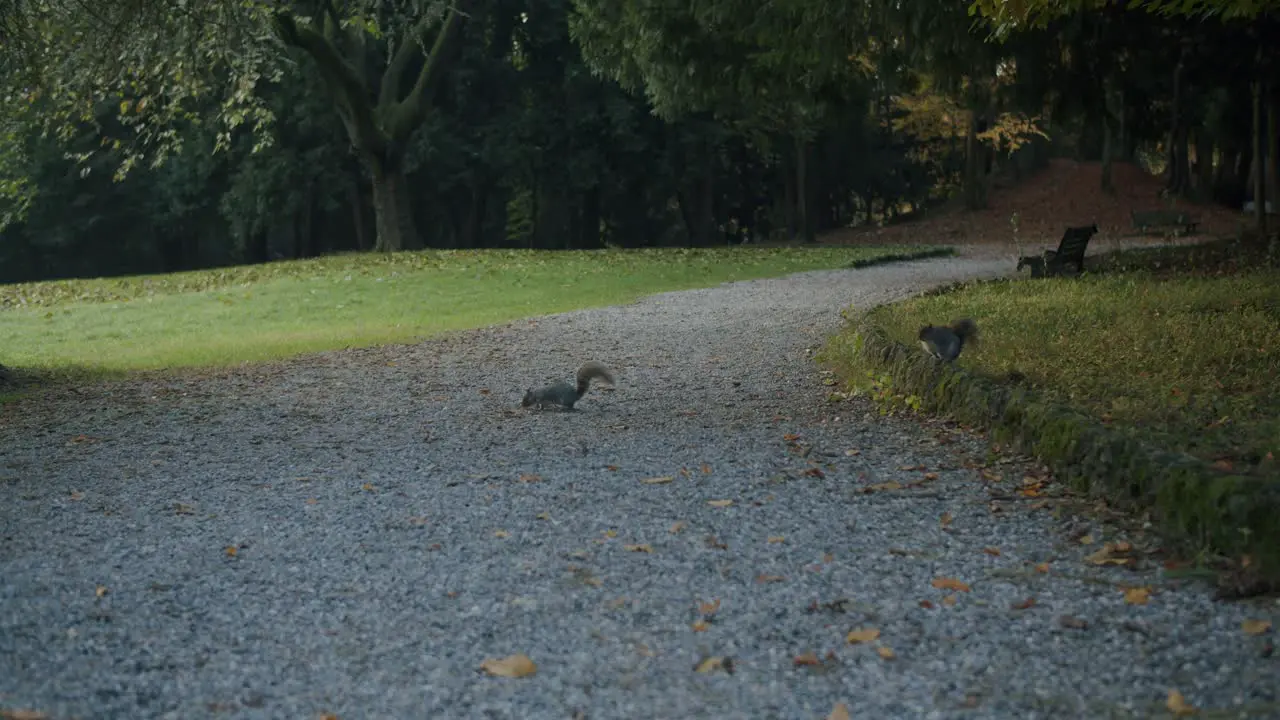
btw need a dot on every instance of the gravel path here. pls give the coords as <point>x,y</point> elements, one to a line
<point>396,521</point>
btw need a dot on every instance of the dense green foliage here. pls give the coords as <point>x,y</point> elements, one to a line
<point>191,135</point>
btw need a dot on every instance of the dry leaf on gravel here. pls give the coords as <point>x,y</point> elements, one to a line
<point>501,534</point>
<point>709,608</point>
<point>1117,553</point>
<point>1255,627</point>
<point>368,487</point>
<point>659,480</point>
<point>1042,567</point>
<point>700,625</point>
<point>23,715</point>
<point>926,604</point>
<point>945,520</point>
<point>946,583</point>
<point>720,503</point>
<point>878,487</point>
<point>713,664</point>
<point>706,469</point>
<point>886,653</point>
<point>101,591</point>
<point>1137,595</point>
<point>638,548</point>
<point>839,712</point>
<point>1072,623</point>
<point>992,551</point>
<point>862,635</point>
<point>1024,604</point>
<point>853,453</point>
<point>949,600</point>
<point>775,539</point>
<point>231,550</point>
<point>770,578</point>
<point>1178,705</point>
<point>512,666</point>
<point>807,659</point>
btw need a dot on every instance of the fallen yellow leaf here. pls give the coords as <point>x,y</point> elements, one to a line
<point>677,526</point>
<point>706,469</point>
<point>701,625</point>
<point>513,666</point>
<point>1178,705</point>
<point>992,551</point>
<point>659,480</point>
<point>720,503</point>
<point>1042,568</point>
<point>368,487</point>
<point>543,516</point>
<point>1255,627</point>
<point>709,608</point>
<point>232,550</point>
<point>949,600</point>
<point>769,578</point>
<point>501,533</point>
<point>808,658</point>
<point>775,539</point>
<point>946,583</point>
<point>1086,540</point>
<point>1137,595</point>
<point>839,712</point>
<point>638,548</point>
<point>886,653</point>
<point>713,664</point>
<point>863,635</point>
<point>530,478</point>
<point>945,521</point>
<point>102,590</point>
<point>23,715</point>
<point>853,452</point>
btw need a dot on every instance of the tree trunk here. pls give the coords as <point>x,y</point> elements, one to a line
<point>1107,150</point>
<point>472,235</point>
<point>392,211</point>
<point>803,215</point>
<point>1259,157</point>
<point>591,218</point>
<point>1272,150</point>
<point>1204,165</point>
<point>973,193</point>
<point>356,200</point>
<point>1177,155</point>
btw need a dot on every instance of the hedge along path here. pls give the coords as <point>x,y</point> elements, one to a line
<point>381,533</point>
<point>1196,505</point>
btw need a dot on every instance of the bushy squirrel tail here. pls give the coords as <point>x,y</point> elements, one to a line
<point>966,330</point>
<point>590,371</point>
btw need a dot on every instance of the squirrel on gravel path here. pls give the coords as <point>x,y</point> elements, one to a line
<point>945,343</point>
<point>565,395</point>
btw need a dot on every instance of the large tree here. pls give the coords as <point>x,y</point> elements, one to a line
<point>382,63</point>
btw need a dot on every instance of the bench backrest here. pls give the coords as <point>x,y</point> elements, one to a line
<point>1075,240</point>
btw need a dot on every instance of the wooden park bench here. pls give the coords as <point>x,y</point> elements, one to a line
<point>1180,222</point>
<point>1070,253</point>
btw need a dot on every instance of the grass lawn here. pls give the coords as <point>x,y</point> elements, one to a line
<point>227,316</point>
<point>1190,359</point>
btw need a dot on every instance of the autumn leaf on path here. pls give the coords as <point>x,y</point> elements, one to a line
<point>23,715</point>
<point>1255,627</point>
<point>700,625</point>
<point>775,539</point>
<point>769,578</point>
<point>862,635</point>
<point>839,712</point>
<point>659,480</point>
<point>1137,595</point>
<point>231,550</point>
<point>638,548</point>
<point>886,653</point>
<point>709,608</point>
<point>530,478</point>
<point>101,591</point>
<point>949,600</point>
<point>720,503</point>
<point>512,666</point>
<point>1116,553</point>
<point>1042,568</point>
<point>1024,604</point>
<point>1178,705</point>
<point>501,534</point>
<point>713,664</point>
<point>807,659</point>
<point>677,526</point>
<point>992,551</point>
<point>946,583</point>
<point>879,487</point>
